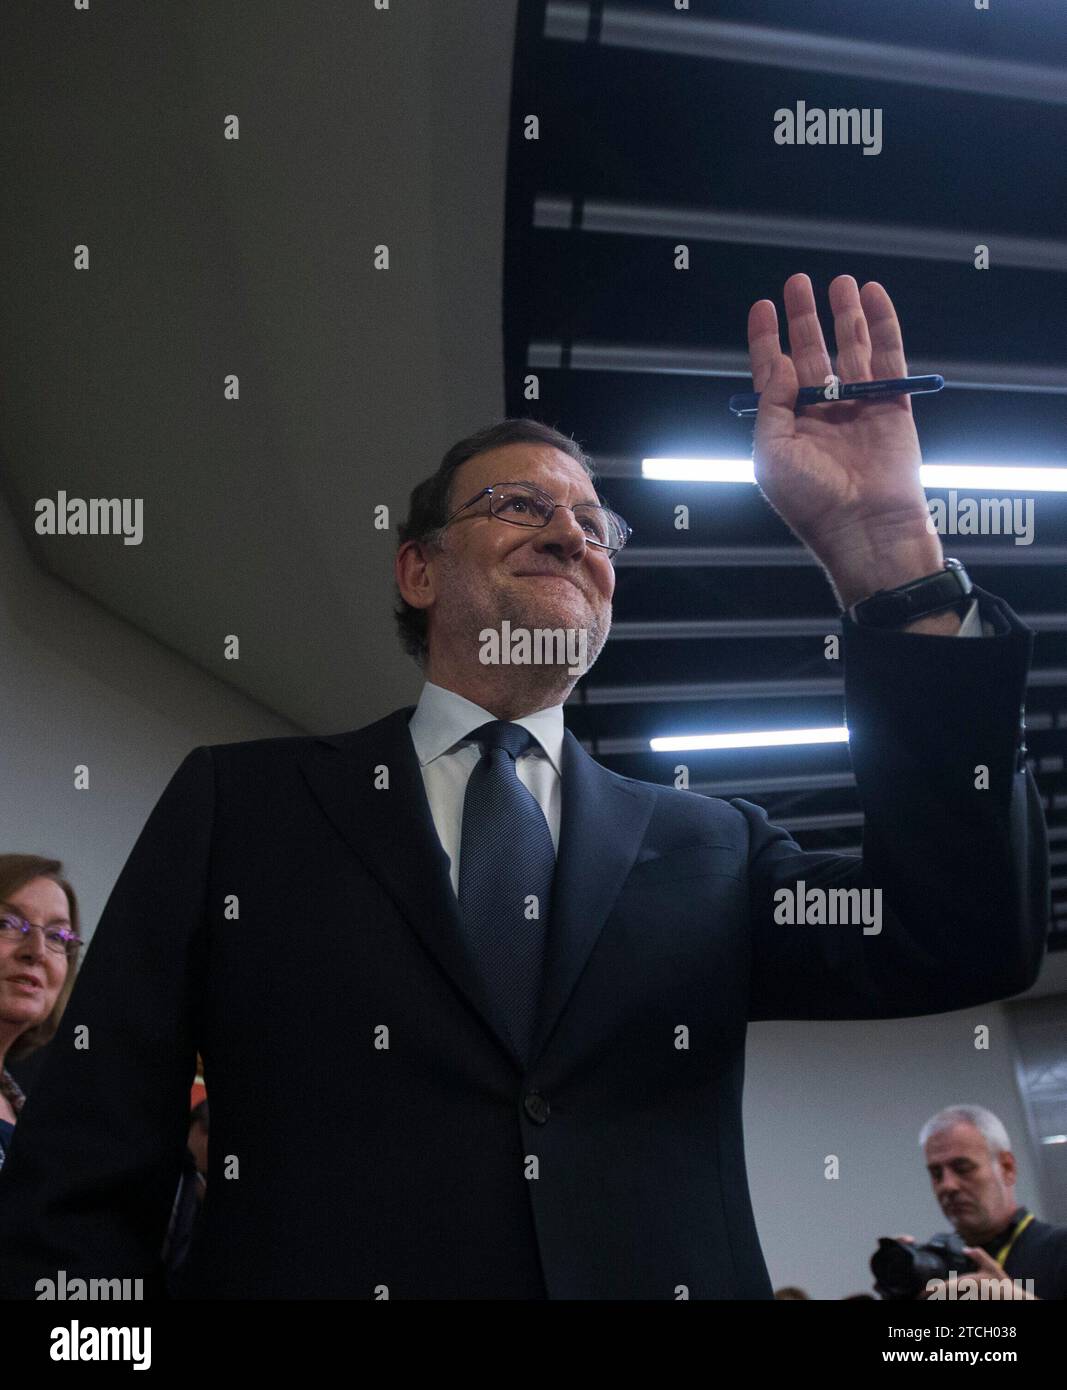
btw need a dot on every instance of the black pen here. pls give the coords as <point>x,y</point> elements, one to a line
<point>747,403</point>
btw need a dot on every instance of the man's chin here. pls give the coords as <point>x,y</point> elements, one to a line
<point>569,611</point>
<point>568,617</point>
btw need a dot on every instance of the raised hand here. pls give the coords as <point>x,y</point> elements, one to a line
<point>843,476</point>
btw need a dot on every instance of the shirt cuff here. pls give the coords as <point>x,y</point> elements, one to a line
<point>972,625</point>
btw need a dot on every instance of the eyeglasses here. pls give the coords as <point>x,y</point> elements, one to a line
<point>523,505</point>
<point>57,939</point>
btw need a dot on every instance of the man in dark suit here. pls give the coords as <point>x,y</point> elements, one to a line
<point>510,987</point>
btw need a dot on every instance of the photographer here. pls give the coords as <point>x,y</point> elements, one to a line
<point>972,1170</point>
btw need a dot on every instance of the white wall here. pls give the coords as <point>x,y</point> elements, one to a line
<point>78,685</point>
<point>863,1091</point>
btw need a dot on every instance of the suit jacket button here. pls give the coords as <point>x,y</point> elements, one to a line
<point>536,1107</point>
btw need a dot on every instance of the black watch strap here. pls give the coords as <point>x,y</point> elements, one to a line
<point>931,594</point>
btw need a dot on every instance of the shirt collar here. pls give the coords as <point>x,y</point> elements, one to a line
<point>442,718</point>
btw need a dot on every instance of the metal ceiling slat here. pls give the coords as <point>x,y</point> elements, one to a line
<point>682,691</point>
<point>772,687</point>
<point>691,361</point>
<point>785,782</point>
<point>622,26</point>
<point>617,217</point>
<point>767,556</point>
<point>702,629</point>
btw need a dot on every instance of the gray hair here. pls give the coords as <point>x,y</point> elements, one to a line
<point>987,1124</point>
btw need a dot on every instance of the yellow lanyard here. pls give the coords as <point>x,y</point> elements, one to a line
<point>1015,1236</point>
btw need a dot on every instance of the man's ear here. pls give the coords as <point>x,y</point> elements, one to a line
<point>414,578</point>
<point>1008,1167</point>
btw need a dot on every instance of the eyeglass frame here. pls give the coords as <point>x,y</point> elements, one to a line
<point>71,940</point>
<point>540,526</point>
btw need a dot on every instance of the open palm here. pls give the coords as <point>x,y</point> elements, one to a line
<point>834,472</point>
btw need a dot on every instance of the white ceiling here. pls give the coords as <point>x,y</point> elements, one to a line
<point>208,257</point>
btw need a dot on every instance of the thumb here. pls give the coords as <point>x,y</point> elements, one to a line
<point>775,421</point>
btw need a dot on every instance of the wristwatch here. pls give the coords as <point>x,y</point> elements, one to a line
<point>931,594</point>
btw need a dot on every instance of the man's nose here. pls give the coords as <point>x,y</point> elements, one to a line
<point>563,532</point>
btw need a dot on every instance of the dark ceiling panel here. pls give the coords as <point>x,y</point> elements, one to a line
<point>675,147</point>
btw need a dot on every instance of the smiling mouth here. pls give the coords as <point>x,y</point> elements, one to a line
<point>566,578</point>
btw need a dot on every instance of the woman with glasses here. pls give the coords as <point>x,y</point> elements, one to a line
<point>39,945</point>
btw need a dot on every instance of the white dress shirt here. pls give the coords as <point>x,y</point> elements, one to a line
<point>972,625</point>
<point>440,730</point>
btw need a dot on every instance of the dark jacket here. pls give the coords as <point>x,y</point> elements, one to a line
<point>427,1160</point>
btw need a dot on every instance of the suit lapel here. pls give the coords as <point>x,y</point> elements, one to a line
<point>603,819</point>
<point>393,834</point>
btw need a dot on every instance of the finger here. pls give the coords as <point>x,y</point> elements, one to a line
<point>909,1239</point>
<point>764,345</point>
<point>773,377</point>
<point>807,346</point>
<point>887,345</point>
<point>850,330</point>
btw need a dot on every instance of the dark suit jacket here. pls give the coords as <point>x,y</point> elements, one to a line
<point>339,1165</point>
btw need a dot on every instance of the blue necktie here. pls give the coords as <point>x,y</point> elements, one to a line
<point>506,859</point>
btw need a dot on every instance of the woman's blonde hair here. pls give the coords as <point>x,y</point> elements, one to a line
<point>16,870</point>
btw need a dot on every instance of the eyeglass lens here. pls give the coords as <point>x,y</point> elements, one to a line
<point>525,507</point>
<point>55,938</point>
